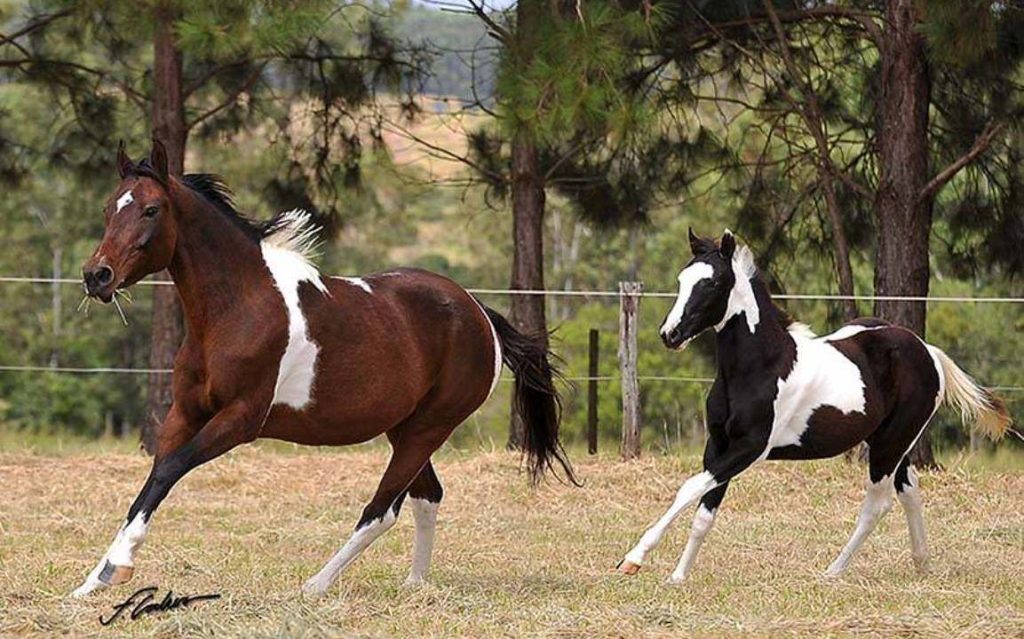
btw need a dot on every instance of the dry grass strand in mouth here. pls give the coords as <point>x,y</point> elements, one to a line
<point>509,561</point>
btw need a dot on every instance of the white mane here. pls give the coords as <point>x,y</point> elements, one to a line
<point>294,231</point>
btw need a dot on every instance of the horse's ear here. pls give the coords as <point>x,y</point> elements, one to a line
<point>158,159</point>
<point>696,244</point>
<point>728,245</point>
<point>124,163</point>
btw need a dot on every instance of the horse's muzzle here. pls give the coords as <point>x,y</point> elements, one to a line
<point>98,281</point>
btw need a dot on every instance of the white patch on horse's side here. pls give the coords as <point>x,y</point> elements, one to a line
<point>497,350</point>
<point>821,376</point>
<point>688,278</point>
<point>741,297</point>
<point>850,330</point>
<point>424,512</point>
<point>285,255</point>
<point>123,201</point>
<point>357,281</point>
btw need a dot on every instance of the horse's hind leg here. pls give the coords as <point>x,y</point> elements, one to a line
<point>909,493</point>
<point>877,502</point>
<point>412,451</point>
<point>425,495</point>
<point>703,520</point>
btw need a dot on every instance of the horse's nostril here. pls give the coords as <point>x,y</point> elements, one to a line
<point>104,275</point>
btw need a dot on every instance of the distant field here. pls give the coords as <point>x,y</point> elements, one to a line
<point>509,561</point>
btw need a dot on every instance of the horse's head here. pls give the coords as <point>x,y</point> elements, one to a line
<point>705,285</point>
<point>140,230</point>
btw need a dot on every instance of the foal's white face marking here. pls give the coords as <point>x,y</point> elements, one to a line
<point>123,201</point>
<point>688,278</point>
<point>297,369</point>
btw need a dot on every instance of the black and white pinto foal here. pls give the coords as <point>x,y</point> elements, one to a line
<point>783,393</point>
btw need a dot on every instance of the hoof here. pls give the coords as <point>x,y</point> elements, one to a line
<point>414,582</point>
<point>313,588</point>
<point>628,567</point>
<point>108,575</point>
<point>676,580</point>
<point>921,564</point>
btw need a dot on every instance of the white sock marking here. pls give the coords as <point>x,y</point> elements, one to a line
<point>910,499</point>
<point>359,541</point>
<point>703,520</point>
<point>877,502</point>
<point>121,553</point>
<point>692,490</point>
<point>425,514</point>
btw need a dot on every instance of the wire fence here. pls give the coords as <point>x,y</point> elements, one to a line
<point>825,297</point>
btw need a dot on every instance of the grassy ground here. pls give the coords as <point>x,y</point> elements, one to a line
<point>509,561</point>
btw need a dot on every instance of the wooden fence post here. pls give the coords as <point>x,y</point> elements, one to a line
<point>592,395</point>
<point>629,301</point>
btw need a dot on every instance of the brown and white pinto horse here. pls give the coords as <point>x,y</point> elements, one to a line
<point>783,393</point>
<point>274,349</point>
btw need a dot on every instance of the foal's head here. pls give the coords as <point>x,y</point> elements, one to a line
<point>140,230</point>
<point>705,286</point>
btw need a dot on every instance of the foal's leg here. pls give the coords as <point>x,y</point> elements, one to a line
<point>703,520</point>
<point>411,454</point>
<point>909,493</point>
<point>425,495</point>
<point>236,424</point>
<point>740,455</point>
<point>877,502</point>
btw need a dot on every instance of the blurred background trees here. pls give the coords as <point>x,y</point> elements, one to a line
<point>558,145</point>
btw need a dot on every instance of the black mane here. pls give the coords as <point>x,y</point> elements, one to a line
<point>213,189</point>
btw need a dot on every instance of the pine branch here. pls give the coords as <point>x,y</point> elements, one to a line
<point>232,97</point>
<point>36,24</point>
<point>981,144</point>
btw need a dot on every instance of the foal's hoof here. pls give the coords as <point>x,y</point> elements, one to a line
<point>314,588</point>
<point>628,567</point>
<point>676,580</point>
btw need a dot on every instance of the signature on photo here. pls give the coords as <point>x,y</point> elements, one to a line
<point>143,602</point>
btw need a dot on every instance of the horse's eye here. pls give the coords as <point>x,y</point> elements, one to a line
<point>151,211</point>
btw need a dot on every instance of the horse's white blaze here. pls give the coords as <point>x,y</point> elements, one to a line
<point>356,544</point>
<point>358,281</point>
<point>688,278</point>
<point>692,490</point>
<point>424,512</point>
<point>702,523</point>
<point>297,370</point>
<point>123,201</point>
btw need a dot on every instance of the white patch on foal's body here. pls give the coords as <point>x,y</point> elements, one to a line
<point>123,201</point>
<point>741,297</point>
<point>286,253</point>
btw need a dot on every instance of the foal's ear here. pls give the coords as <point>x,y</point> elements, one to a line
<point>124,163</point>
<point>158,159</point>
<point>697,246</point>
<point>728,245</point>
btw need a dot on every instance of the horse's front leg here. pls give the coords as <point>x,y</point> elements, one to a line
<point>237,423</point>
<point>740,455</point>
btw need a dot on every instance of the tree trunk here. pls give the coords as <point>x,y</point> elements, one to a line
<point>903,219</point>
<point>527,314</point>
<point>168,127</point>
<point>528,253</point>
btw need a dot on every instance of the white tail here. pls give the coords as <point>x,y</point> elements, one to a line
<point>977,405</point>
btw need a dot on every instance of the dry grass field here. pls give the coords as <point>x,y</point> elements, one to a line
<point>509,561</point>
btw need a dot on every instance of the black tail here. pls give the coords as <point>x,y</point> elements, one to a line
<point>536,399</point>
